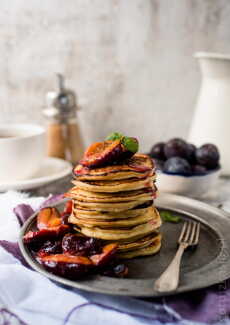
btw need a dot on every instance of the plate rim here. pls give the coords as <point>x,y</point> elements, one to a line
<point>38,181</point>
<point>225,250</point>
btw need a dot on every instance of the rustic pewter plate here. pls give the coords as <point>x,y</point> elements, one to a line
<point>208,264</point>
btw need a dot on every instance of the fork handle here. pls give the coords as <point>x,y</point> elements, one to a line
<point>169,279</point>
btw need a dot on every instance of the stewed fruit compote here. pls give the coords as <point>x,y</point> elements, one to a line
<point>63,252</point>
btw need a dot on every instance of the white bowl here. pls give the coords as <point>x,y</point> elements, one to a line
<point>22,150</point>
<point>193,186</point>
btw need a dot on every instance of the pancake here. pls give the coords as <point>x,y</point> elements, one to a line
<point>114,223</point>
<point>139,165</point>
<point>154,233</point>
<point>109,215</point>
<point>115,185</point>
<point>140,243</point>
<point>86,196</point>
<point>113,207</point>
<point>153,248</point>
<point>120,234</point>
<point>115,204</point>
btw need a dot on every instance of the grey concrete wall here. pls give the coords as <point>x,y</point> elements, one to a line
<point>129,60</point>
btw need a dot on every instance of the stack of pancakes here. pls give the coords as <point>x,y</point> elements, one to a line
<point>115,203</point>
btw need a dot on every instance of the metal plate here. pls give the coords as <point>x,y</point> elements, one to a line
<point>208,264</point>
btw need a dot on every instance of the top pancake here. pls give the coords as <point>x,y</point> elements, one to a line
<point>139,166</point>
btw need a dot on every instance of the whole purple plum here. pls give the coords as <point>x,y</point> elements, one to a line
<point>208,156</point>
<point>177,165</point>
<point>175,148</point>
<point>191,153</point>
<point>157,151</point>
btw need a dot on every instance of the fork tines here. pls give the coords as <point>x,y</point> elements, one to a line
<point>190,233</point>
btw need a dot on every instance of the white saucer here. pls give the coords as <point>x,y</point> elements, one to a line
<point>51,170</point>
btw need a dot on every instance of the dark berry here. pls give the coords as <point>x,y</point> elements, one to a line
<point>175,148</point>
<point>157,151</point>
<point>191,153</point>
<point>208,156</point>
<point>115,269</point>
<point>177,165</point>
<point>120,269</point>
<point>199,170</point>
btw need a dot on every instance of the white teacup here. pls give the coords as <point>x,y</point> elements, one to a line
<point>22,149</point>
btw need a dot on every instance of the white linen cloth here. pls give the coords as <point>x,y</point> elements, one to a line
<point>38,301</point>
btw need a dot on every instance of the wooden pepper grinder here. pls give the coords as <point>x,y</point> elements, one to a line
<point>63,134</point>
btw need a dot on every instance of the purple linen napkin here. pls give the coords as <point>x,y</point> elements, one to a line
<point>210,305</point>
<point>23,212</point>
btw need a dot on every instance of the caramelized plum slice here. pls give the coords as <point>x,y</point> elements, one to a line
<point>48,218</point>
<point>37,238</point>
<point>66,212</point>
<point>108,252</point>
<point>80,170</point>
<point>103,153</point>
<point>73,244</point>
<point>68,207</point>
<point>71,267</point>
<point>77,244</point>
<point>50,247</point>
<point>93,245</point>
<point>65,218</point>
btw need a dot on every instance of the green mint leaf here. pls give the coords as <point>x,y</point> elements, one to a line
<point>131,144</point>
<point>169,217</point>
<point>114,136</point>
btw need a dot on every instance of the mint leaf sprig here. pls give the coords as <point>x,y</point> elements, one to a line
<point>131,144</point>
<point>114,136</point>
<point>169,217</point>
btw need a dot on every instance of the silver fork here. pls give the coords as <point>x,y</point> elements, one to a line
<point>169,279</point>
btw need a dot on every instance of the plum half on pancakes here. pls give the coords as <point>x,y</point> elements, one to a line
<point>113,197</point>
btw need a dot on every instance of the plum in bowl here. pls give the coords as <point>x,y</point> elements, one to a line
<point>184,169</point>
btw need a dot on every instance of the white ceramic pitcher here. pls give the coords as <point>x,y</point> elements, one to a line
<point>211,122</point>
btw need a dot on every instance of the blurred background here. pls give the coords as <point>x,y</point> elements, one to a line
<point>130,62</point>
